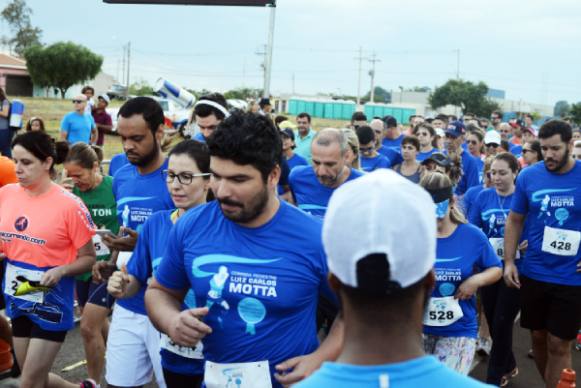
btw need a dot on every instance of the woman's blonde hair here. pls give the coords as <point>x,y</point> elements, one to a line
<point>353,143</point>
<point>433,181</point>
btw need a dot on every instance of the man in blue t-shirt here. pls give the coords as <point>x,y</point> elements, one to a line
<point>548,198</point>
<point>392,134</point>
<point>77,126</point>
<point>383,284</point>
<point>312,187</point>
<point>140,191</point>
<point>255,263</point>
<point>370,158</point>
<point>454,141</point>
<point>208,112</point>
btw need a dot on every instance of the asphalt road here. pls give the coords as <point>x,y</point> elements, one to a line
<point>73,352</point>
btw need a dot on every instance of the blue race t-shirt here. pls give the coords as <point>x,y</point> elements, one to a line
<point>261,284</point>
<point>489,213</point>
<point>424,371</point>
<point>392,154</point>
<point>296,160</point>
<point>394,144</point>
<point>139,196</point>
<point>371,164</point>
<point>480,168</point>
<point>469,197</point>
<point>421,156</point>
<point>552,206</point>
<point>78,127</point>
<point>199,137</point>
<point>310,195</point>
<point>117,161</point>
<point>465,252</point>
<point>516,150</point>
<point>469,173</point>
<point>144,261</point>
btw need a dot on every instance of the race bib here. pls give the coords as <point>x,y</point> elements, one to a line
<point>241,375</point>
<point>184,351</point>
<point>443,311</point>
<point>18,284</point>
<point>100,248</point>
<point>561,242</point>
<point>498,246</point>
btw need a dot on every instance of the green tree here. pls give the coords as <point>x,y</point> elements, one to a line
<point>381,95</point>
<point>141,88</point>
<point>62,65</point>
<point>561,109</point>
<point>575,112</point>
<point>17,16</point>
<point>243,93</point>
<point>469,97</point>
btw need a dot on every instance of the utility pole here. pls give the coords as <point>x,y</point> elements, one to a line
<point>457,63</point>
<point>360,59</point>
<point>263,64</point>
<point>128,66</point>
<point>122,79</point>
<point>293,83</point>
<point>268,57</point>
<point>373,60</point>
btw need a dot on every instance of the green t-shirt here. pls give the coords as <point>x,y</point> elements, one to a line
<point>101,203</point>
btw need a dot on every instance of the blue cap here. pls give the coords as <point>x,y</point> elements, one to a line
<point>455,129</point>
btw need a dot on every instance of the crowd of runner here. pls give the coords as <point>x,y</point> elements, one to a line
<point>263,253</point>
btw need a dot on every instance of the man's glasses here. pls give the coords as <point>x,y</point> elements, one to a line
<point>78,101</point>
<point>185,178</point>
<point>366,149</point>
<point>493,145</point>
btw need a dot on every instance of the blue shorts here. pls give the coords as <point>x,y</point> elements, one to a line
<point>94,293</point>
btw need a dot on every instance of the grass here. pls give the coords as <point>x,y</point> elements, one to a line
<point>53,110</point>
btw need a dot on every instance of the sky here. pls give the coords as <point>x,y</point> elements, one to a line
<point>529,48</point>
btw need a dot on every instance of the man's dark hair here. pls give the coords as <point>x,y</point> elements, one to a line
<point>365,134</point>
<point>279,119</point>
<point>536,147</point>
<point>358,116</point>
<point>377,294</point>
<point>497,113</point>
<point>441,117</point>
<point>530,116</point>
<point>248,139</point>
<point>304,115</point>
<point>147,107</point>
<point>391,122</point>
<point>556,127</point>
<point>204,110</point>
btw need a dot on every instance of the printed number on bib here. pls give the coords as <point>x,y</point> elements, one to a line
<point>561,242</point>
<point>100,248</point>
<point>184,351</point>
<point>24,284</point>
<point>443,311</point>
<point>241,375</point>
<point>498,246</point>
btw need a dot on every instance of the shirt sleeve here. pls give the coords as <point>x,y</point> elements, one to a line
<point>520,202</point>
<point>171,272</point>
<point>65,124</point>
<point>474,211</point>
<point>80,226</point>
<point>139,264</point>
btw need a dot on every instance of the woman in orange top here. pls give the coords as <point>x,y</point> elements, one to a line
<point>46,235</point>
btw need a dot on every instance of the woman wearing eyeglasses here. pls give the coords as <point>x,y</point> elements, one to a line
<point>501,303</point>
<point>188,179</point>
<point>531,153</point>
<point>426,135</point>
<point>95,190</point>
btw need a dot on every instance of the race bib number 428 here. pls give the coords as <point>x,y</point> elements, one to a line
<point>561,242</point>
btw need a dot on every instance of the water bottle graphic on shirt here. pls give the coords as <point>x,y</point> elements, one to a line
<point>125,216</point>
<point>545,206</point>
<point>217,283</point>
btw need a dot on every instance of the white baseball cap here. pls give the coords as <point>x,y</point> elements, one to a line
<point>492,137</point>
<point>380,213</point>
<point>105,97</point>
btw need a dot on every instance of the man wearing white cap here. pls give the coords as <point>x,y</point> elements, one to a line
<point>492,141</point>
<point>383,278</point>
